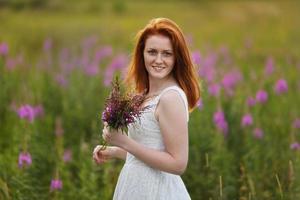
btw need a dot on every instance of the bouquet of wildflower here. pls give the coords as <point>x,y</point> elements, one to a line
<point>122,108</point>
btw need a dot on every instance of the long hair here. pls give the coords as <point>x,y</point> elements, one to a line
<point>184,71</point>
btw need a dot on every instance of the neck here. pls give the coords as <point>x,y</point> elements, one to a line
<point>156,86</point>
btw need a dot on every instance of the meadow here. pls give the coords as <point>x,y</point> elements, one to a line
<point>57,60</point>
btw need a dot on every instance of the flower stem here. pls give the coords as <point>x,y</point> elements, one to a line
<point>104,145</point>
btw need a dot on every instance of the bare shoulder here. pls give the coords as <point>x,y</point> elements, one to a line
<point>171,109</point>
<point>171,98</point>
<point>171,105</point>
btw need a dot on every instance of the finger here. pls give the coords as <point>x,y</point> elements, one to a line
<point>96,159</point>
<point>96,149</point>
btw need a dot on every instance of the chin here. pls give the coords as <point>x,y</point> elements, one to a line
<point>159,76</point>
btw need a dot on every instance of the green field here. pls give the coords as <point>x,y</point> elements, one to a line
<point>53,61</point>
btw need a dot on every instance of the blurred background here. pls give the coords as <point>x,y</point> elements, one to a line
<point>58,57</point>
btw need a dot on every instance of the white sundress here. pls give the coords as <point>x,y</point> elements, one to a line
<point>138,181</point>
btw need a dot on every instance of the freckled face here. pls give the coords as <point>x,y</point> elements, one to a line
<point>159,57</point>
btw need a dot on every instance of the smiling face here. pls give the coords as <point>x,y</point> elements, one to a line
<point>159,57</point>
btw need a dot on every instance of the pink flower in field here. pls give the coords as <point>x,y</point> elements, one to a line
<point>56,184</point>
<point>251,101</point>
<point>230,80</point>
<point>38,110</point>
<point>92,69</point>
<point>67,157</point>
<point>30,112</point>
<point>220,122</point>
<point>3,49</point>
<point>281,86</point>
<point>47,44</point>
<point>196,56</point>
<point>207,73</point>
<point>61,80</point>
<point>258,133</point>
<point>296,123</point>
<point>219,116</point>
<point>207,67</point>
<point>11,63</point>
<point>269,66</point>
<point>247,120</point>
<point>27,112</point>
<point>261,96</point>
<point>103,52</point>
<point>295,146</point>
<point>24,159</point>
<point>214,89</point>
<point>118,63</point>
<point>200,104</point>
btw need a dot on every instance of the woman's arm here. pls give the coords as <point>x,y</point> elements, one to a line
<point>119,153</point>
<point>110,152</point>
<point>173,125</point>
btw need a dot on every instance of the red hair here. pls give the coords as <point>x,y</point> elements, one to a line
<point>184,71</point>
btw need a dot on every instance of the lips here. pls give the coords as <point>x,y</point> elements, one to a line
<point>158,67</point>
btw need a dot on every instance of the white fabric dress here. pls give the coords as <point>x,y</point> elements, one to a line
<point>138,181</point>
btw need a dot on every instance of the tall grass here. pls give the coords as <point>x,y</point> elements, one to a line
<point>59,64</point>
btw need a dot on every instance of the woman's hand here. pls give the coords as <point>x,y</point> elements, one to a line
<point>113,137</point>
<point>102,156</point>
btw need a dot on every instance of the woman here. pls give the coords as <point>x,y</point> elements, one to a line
<point>156,148</point>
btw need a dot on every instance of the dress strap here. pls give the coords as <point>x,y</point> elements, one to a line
<point>182,95</point>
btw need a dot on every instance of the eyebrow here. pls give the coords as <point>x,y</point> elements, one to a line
<point>150,48</point>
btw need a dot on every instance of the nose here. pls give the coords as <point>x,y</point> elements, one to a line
<point>158,58</point>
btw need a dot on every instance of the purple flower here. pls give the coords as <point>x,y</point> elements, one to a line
<point>56,184</point>
<point>269,66</point>
<point>220,122</point>
<point>251,101</point>
<point>200,104</point>
<point>11,62</point>
<point>3,49</point>
<point>258,133</point>
<point>281,86</point>
<point>67,157</point>
<point>61,80</point>
<point>247,120</point>
<point>92,70</point>
<point>196,56</point>
<point>47,44</point>
<point>230,80</point>
<point>122,107</point>
<point>118,63</point>
<point>207,67</point>
<point>214,89</point>
<point>219,116</point>
<point>24,159</point>
<point>296,123</point>
<point>103,52</point>
<point>38,110</point>
<point>261,96</point>
<point>26,112</point>
<point>295,146</point>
